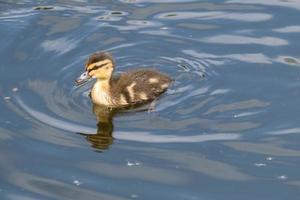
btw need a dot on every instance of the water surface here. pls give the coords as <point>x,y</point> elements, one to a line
<point>228,128</point>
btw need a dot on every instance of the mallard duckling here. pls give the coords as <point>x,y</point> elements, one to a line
<point>131,88</point>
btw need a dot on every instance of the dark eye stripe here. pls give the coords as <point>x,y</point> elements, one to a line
<point>96,67</point>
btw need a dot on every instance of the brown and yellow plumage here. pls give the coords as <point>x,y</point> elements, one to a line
<point>131,88</point>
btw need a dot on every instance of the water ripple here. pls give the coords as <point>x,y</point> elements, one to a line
<point>288,29</point>
<point>238,39</point>
<point>131,136</point>
<point>291,4</point>
<point>247,17</point>
<point>61,45</point>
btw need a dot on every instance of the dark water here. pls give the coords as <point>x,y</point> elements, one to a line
<point>228,128</point>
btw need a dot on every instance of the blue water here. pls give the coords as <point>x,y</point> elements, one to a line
<point>228,128</point>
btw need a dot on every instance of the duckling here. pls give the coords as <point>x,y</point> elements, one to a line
<point>128,89</point>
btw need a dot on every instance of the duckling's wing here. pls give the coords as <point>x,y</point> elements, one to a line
<point>152,81</point>
<point>141,85</point>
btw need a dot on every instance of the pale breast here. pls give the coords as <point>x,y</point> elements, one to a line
<point>99,96</point>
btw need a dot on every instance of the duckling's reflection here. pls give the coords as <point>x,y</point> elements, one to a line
<point>103,138</point>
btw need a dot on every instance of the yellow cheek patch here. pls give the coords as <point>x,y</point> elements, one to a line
<point>91,73</point>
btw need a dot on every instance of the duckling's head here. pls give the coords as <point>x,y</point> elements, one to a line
<point>99,65</point>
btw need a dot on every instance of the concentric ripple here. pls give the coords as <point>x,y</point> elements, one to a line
<point>191,99</point>
<point>228,127</point>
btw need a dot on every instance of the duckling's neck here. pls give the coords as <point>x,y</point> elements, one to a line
<point>101,92</point>
<point>103,84</point>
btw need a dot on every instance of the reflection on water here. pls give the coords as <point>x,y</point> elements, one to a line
<point>228,128</point>
<point>103,138</point>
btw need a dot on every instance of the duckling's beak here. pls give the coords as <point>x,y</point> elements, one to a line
<point>83,78</point>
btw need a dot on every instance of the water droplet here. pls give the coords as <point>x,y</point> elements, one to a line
<point>269,158</point>
<point>133,163</point>
<point>282,177</point>
<point>77,182</point>
<point>260,164</point>
<point>134,196</point>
